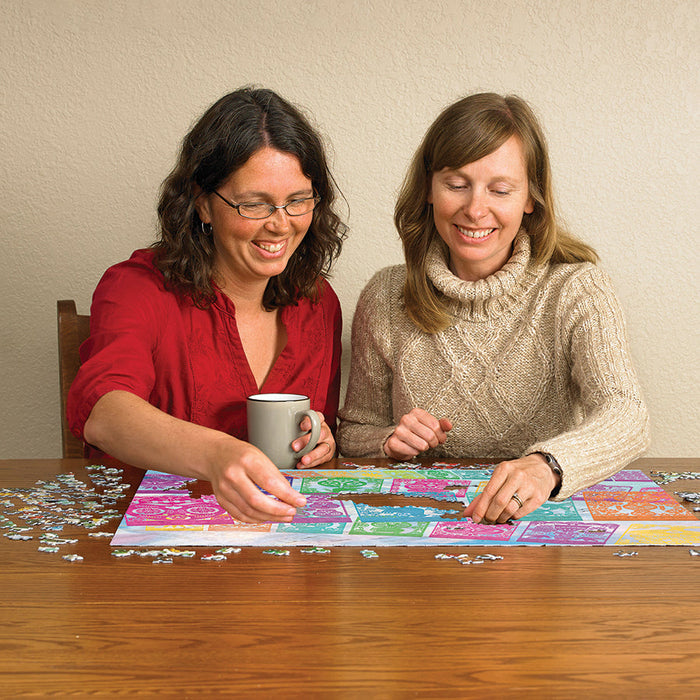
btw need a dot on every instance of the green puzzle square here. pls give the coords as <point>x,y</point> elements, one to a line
<point>390,529</point>
<point>341,485</point>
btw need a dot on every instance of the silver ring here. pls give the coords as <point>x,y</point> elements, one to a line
<point>516,498</point>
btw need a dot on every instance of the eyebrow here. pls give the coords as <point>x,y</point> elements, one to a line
<point>266,195</point>
<point>506,180</point>
<point>455,172</point>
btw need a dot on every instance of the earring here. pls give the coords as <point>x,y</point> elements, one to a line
<point>206,229</point>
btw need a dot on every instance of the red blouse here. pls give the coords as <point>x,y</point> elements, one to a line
<point>189,362</point>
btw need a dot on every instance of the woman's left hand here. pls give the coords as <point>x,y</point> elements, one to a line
<point>324,450</point>
<point>516,488</point>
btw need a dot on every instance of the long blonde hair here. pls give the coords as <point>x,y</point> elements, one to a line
<point>464,132</point>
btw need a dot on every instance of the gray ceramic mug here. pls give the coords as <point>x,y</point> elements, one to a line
<point>273,424</point>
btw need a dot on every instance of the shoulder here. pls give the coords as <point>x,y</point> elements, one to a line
<point>135,282</point>
<point>380,305</point>
<point>326,302</point>
<point>583,272</point>
<point>578,279</point>
<point>322,312</point>
<point>329,303</point>
<point>385,286</point>
<point>584,287</point>
<point>138,269</point>
<point>326,295</point>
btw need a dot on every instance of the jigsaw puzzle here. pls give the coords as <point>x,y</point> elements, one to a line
<point>406,507</point>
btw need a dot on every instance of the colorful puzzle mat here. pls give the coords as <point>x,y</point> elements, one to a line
<point>407,507</point>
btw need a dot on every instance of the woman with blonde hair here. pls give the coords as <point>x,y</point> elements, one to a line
<point>499,337</point>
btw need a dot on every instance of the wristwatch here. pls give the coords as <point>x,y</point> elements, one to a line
<point>554,466</point>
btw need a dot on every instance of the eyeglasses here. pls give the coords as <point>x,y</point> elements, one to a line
<point>261,210</point>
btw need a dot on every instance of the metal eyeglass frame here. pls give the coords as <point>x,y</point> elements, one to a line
<point>271,207</point>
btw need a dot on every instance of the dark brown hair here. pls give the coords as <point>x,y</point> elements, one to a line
<point>464,132</point>
<point>224,138</point>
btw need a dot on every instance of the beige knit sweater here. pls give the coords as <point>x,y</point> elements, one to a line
<point>536,361</point>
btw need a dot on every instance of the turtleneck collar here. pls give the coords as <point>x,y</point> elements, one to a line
<point>492,296</point>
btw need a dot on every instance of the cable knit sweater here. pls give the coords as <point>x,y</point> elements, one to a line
<point>536,360</point>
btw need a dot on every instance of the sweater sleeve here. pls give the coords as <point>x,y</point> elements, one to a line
<point>366,419</point>
<point>613,428</point>
<point>118,355</point>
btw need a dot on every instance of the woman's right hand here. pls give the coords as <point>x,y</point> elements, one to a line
<point>416,432</point>
<point>236,472</point>
<point>127,427</point>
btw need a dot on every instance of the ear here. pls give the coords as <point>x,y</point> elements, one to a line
<point>529,206</point>
<point>202,205</point>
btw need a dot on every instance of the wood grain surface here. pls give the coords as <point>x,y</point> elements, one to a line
<point>559,622</point>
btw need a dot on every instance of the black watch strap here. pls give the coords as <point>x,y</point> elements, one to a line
<point>554,466</point>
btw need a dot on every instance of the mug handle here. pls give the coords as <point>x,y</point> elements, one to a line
<point>315,430</point>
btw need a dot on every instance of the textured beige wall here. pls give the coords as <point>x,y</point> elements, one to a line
<point>96,95</point>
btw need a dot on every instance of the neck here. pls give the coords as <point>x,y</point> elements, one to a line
<point>247,298</point>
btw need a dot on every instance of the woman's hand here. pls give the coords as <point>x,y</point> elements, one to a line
<point>324,450</point>
<point>416,432</point>
<point>130,429</point>
<point>530,479</point>
<point>235,475</point>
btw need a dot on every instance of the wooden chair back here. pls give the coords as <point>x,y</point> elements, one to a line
<point>73,329</point>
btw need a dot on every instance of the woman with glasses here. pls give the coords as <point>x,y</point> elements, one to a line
<point>499,337</point>
<point>232,300</point>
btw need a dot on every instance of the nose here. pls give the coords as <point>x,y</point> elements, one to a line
<point>475,207</point>
<point>278,222</point>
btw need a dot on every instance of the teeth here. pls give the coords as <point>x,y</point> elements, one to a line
<point>271,247</point>
<point>480,233</point>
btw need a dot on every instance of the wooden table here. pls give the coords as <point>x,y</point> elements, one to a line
<point>559,622</point>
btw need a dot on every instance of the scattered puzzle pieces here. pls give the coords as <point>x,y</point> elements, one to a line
<point>468,559</point>
<point>50,505</point>
<point>668,477</point>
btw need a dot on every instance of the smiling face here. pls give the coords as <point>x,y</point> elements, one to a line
<point>478,209</point>
<point>251,251</point>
